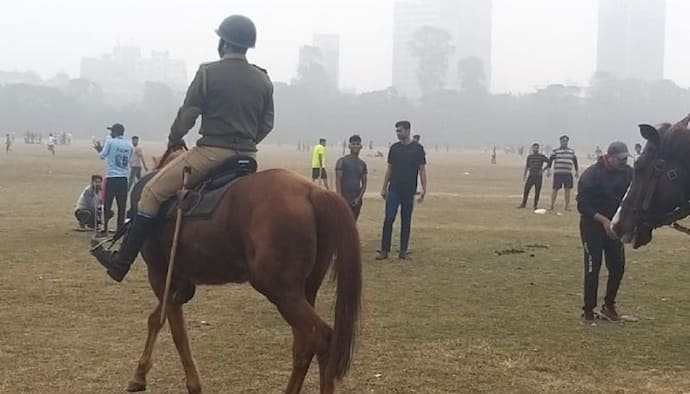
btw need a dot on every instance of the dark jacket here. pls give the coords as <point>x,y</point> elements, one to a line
<point>601,189</point>
<point>235,101</point>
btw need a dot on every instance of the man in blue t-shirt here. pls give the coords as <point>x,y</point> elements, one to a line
<point>116,152</point>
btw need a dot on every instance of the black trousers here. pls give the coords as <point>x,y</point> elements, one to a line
<point>116,189</point>
<point>535,181</point>
<point>596,243</point>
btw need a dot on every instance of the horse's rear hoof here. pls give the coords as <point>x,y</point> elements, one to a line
<point>135,387</point>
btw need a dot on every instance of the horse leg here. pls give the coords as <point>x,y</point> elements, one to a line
<point>302,354</point>
<point>179,334</point>
<point>327,384</point>
<point>138,383</point>
<point>301,360</point>
<point>311,336</point>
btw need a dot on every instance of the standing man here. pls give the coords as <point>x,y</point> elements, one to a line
<point>318,163</point>
<point>406,162</point>
<point>117,152</point>
<point>563,161</point>
<point>235,101</point>
<point>493,156</point>
<point>136,162</point>
<point>51,144</point>
<point>351,176</point>
<point>8,143</point>
<point>535,167</point>
<point>600,192</point>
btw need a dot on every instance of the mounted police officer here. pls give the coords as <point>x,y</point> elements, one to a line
<point>235,101</point>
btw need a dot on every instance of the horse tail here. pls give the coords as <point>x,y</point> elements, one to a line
<point>336,229</point>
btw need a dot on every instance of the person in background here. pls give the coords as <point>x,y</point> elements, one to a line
<point>318,163</point>
<point>117,152</point>
<point>8,143</point>
<point>637,152</point>
<point>136,162</point>
<point>493,156</point>
<point>351,176</point>
<point>600,191</point>
<point>534,166</point>
<point>406,162</point>
<point>51,144</point>
<point>564,162</point>
<point>86,209</point>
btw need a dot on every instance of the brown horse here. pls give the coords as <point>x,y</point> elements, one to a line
<point>660,191</point>
<point>279,232</point>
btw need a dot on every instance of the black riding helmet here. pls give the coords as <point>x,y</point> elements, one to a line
<point>238,30</point>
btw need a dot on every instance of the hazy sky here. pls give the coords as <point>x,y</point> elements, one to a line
<point>536,42</point>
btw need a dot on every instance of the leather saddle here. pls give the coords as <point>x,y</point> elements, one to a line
<point>202,200</point>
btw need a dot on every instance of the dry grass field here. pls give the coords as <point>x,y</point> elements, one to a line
<point>457,318</point>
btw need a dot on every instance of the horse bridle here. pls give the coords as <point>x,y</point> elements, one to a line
<point>670,218</point>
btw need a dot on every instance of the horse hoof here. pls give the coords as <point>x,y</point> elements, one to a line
<point>135,387</point>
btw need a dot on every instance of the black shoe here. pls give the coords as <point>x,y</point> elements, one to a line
<point>403,256</point>
<point>588,318</point>
<point>382,256</point>
<point>117,264</point>
<point>113,267</point>
<point>521,206</point>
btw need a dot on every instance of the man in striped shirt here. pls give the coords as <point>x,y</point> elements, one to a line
<point>564,162</point>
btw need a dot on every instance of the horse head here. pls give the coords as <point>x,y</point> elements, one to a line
<point>660,190</point>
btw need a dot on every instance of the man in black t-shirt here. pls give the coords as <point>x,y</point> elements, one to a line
<point>535,167</point>
<point>406,161</point>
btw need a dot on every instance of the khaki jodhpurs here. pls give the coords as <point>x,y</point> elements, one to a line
<point>168,180</point>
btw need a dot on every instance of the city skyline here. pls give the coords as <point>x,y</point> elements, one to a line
<point>535,42</point>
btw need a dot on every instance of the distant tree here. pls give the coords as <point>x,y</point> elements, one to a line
<point>84,91</point>
<point>472,75</point>
<point>311,72</point>
<point>432,48</point>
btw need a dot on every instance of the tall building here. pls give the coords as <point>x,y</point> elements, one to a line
<point>329,45</point>
<point>469,23</point>
<point>631,39</point>
<point>124,72</point>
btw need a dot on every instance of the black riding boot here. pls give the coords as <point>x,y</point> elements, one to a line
<point>117,263</point>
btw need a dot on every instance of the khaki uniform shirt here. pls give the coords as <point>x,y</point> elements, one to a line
<point>235,101</point>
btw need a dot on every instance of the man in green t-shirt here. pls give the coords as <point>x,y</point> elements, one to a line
<point>318,163</point>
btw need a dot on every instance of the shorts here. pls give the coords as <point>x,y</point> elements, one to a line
<point>317,173</point>
<point>564,181</point>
